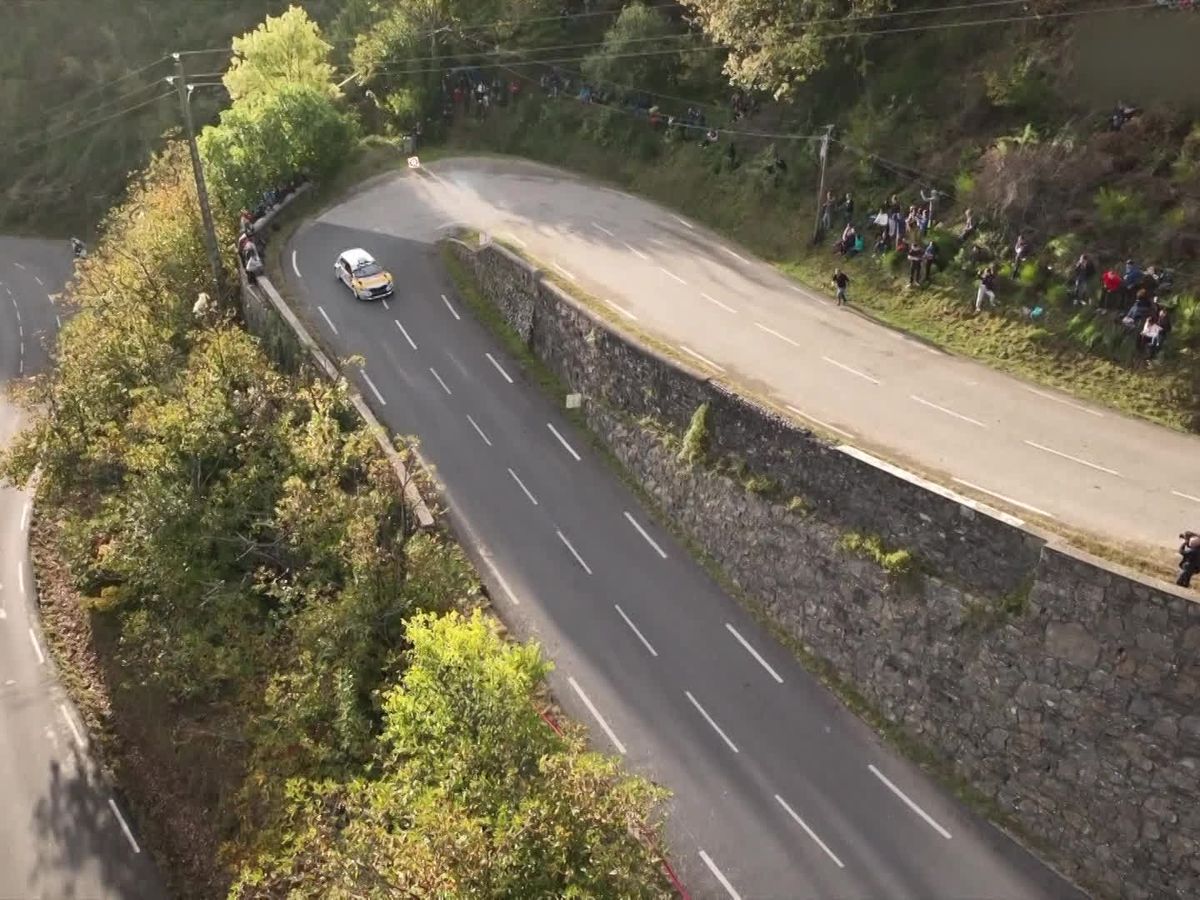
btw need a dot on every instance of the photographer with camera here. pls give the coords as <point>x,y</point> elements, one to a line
<point>1189,563</point>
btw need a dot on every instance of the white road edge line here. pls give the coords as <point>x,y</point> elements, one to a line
<point>37,648</point>
<point>453,311</point>
<point>812,834</point>
<point>21,578</point>
<point>25,516</point>
<point>445,387</point>
<point>641,637</point>
<point>649,540</point>
<point>528,493</point>
<point>296,265</point>
<point>1080,407</point>
<point>622,310</point>
<point>844,367</point>
<point>19,266</point>
<point>634,250</point>
<point>1186,496</point>
<point>909,803</point>
<point>774,333</point>
<point>824,425</point>
<point>716,302</point>
<point>983,490</point>
<point>762,662</point>
<point>564,272</point>
<point>383,300</point>
<point>671,274</point>
<point>39,281</point>
<point>1076,459</point>
<point>579,559</point>
<point>683,222</point>
<point>601,228</point>
<point>57,321</point>
<point>948,412</point>
<point>374,390</point>
<point>719,875</point>
<point>596,713</point>
<point>499,368</point>
<point>112,804</point>
<point>479,431</point>
<point>328,321</point>
<point>704,359</point>
<point>404,332</point>
<point>62,708</point>
<point>562,440</point>
<point>709,720</point>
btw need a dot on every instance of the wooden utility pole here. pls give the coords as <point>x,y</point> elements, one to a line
<point>821,184</point>
<point>210,231</point>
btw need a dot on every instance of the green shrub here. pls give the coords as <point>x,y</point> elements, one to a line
<point>1120,210</point>
<point>695,440</point>
<point>897,563</point>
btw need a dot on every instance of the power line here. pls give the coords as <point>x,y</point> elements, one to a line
<point>90,125</point>
<point>101,87</point>
<point>941,26</point>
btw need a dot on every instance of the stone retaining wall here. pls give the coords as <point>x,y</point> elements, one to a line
<point>1077,713</point>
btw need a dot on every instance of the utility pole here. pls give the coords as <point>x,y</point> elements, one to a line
<point>210,232</point>
<point>821,184</point>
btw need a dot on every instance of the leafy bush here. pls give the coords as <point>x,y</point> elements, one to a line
<point>694,450</point>
<point>1120,210</point>
<point>897,563</point>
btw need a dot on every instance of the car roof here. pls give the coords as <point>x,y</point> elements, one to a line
<point>357,257</point>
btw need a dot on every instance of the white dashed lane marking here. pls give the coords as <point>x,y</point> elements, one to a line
<point>562,440</point>
<point>596,715</point>
<point>499,368</point>
<point>449,306</point>
<point>845,368</point>
<point>575,553</point>
<point>1075,459</point>
<point>328,321</point>
<point>909,803</point>
<point>404,332</point>
<point>640,636</point>
<point>720,876</point>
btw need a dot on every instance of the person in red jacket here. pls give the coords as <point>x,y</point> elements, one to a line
<point>1113,287</point>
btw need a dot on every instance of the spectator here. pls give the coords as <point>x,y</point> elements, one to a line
<point>916,261</point>
<point>969,226</point>
<point>930,259</point>
<point>711,137</point>
<point>848,208</point>
<point>846,245</point>
<point>1153,333</point>
<point>1021,252</point>
<point>1132,276</point>
<point>923,220</point>
<point>1141,310</point>
<point>1081,277</point>
<point>1189,562</point>
<point>987,288</point>
<point>1120,115</point>
<point>912,221</point>
<point>1111,289</point>
<point>827,211</point>
<point>841,281</point>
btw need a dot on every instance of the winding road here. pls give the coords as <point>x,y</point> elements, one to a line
<point>63,834</point>
<point>778,792</point>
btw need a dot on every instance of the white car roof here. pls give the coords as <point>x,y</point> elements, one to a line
<point>357,257</point>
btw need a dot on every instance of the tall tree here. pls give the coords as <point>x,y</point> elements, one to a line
<point>284,51</point>
<point>775,45</point>
<point>639,29</point>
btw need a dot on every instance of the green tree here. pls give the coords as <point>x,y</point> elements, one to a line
<point>284,51</point>
<point>476,797</point>
<point>774,45</point>
<point>638,29</point>
<point>259,145</point>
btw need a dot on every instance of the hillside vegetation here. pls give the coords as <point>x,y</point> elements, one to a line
<point>309,697</point>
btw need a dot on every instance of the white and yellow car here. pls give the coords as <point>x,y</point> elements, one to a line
<point>366,279</point>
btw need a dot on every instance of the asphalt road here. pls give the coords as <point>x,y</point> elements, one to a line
<point>1036,452</point>
<point>779,792</point>
<point>63,836</point>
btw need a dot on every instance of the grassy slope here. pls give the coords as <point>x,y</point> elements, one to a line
<point>772,217</point>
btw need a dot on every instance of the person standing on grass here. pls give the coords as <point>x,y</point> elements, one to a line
<point>848,208</point>
<point>1081,277</point>
<point>987,288</point>
<point>916,259</point>
<point>827,212</point>
<point>841,281</point>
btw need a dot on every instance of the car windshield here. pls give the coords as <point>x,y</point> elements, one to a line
<point>367,269</point>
